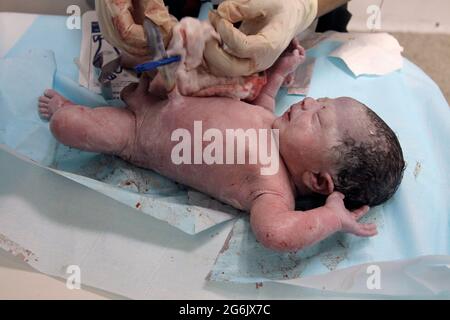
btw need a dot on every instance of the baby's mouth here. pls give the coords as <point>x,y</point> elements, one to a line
<point>287,114</point>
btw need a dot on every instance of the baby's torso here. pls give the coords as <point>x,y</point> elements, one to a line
<point>219,146</point>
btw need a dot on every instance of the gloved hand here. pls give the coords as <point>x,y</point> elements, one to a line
<point>121,23</point>
<point>267,28</point>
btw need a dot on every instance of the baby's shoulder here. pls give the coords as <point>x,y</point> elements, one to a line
<point>278,186</point>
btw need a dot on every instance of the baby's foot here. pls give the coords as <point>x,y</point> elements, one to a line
<point>289,61</point>
<point>50,102</point>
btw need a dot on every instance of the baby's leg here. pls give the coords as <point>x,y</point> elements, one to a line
<point>104,130</point>
<point>279,73</point>
<point>138,98</point>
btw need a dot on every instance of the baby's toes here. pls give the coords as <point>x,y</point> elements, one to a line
<point>44,113</point>
<point>43,100</point>
<point>295,59</point>
<point>289,79</point>
<point>300,49</point>
<point>50,93</point>
<point>300,55</point>
<point>43,107</point>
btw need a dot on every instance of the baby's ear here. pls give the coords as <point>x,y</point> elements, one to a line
<point>321,182</point>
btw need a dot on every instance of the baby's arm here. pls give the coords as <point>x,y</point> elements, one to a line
<point>286,64</point>
<point>279,227</point>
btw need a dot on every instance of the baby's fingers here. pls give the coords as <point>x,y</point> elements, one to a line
<point>365,230</point>
<point>360,212</point>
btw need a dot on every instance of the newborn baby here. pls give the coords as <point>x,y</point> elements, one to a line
<point>335,147</point>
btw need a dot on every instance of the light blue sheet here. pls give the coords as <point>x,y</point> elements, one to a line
<point>414,223</point>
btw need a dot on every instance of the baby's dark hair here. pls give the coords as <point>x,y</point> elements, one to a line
<point>369,172</point>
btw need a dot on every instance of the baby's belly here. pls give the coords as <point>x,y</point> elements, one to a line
<point>233,185</point>
<point>175,143</point>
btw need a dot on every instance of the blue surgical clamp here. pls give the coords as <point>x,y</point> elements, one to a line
<point>159,55</point>
<point>148,66</point>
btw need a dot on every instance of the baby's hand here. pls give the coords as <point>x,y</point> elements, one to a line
<point>349,219</point>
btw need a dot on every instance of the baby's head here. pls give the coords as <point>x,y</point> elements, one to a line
<point>340,145</point>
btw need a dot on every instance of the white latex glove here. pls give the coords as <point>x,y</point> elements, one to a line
<point>121,23</point>
<point>267,28</point>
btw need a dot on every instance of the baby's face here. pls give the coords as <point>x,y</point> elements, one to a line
<point>310,128</point>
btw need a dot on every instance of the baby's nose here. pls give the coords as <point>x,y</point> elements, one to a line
<point>308,103</point>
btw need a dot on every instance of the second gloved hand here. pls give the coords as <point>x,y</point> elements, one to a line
<point>267,28</point>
